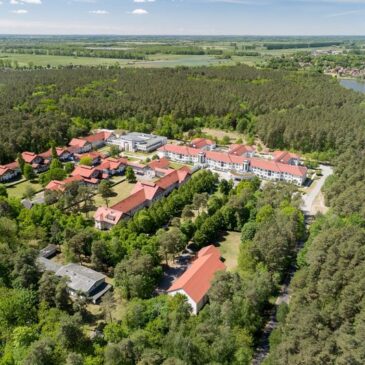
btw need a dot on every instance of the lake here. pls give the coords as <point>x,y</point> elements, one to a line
<point>353,85</point>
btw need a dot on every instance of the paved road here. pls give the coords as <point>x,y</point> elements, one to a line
<point>308,208</point>
<point>309,198</point>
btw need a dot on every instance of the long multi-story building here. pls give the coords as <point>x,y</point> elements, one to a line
<point>283,167</point>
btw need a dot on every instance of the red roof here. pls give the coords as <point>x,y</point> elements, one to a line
<point>59,150</point>
<point>181,150</point>
<point>278,167</point>
<point>4,170</point>
<point>162,163</point>
<point>284,156</point>
<point>151,190</point>
<point>29,157</point>
<point>112,163</point>
<point>84,171</point>
<point>133,201</point>
<point>12,165</point>
<point>174,177</point>
<point>240,149</point>
<point>98,137</point>
<point>108,215</point>
<point>197,279</point>
<point>224,157</point>
<point>78,142</point>
<point>93,155</point>
<point>201,142</point>
<point>57,185</point>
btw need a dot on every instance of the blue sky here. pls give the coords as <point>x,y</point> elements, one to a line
<point>185,17</point>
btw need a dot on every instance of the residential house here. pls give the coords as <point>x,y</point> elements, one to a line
<point>98,139</point>
<point>94,156</point>
<point>182,154</point>
<point>81,280</point>
<point>56,185</point>
<point>286,157</point>
<point>197,279</point>
<point>38,163</point>
<point>9,172</point>
<point>141,170</point>
<point>241,150</point>
<point>113,166</point>
<point>79,145</point>
<point>91,175</point>
<point>63,154</point>
<point>142,196</point>
<point>203,144</point>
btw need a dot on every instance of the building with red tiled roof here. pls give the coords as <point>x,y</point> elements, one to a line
<point>241,150</point>
<point>57,185</point>
<point>79,145</point>
<point>286,157</point>
<point>99,139</point>
<point>237,164</point>
<point>106,218</point>
<point>9,171</point>
<point>63,154</point>
<point>113,166</point>
<point>203,144</point>
<point>182,154</point>
<point>162,163</point>
<point>146,193</point>
<point>197,279</point>
<point>87,172</point>
<point>38,163</point>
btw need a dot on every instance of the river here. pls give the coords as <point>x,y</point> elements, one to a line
<point>353,85</point>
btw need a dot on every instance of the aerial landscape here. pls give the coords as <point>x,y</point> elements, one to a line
<point>182,182</point>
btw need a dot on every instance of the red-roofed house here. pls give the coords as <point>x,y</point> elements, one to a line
<point>79,145</point>
<point>144,194</point>
<point>203,144</point>
<point>99,139</point>
<point>9,172</point>
<point>182,154</point>
<point>241,150</point>
<point>276,171</point>
<point>91,175</point>
<point>95,157</point>
<point>56,185</point>
<point>197,279</point>
<point>113,166</point>
<point>63,154</point>
<point>106,218</point>
<point>38,163</point>
<point>286,157</point>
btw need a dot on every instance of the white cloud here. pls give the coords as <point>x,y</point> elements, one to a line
<point>99,12</point>
<point>344,13</point>
<point>20,11</point>
<point>139,12</point>
<point>144,1</point>
<point>22,2</point>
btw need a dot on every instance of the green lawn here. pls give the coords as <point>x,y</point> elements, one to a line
<point>122,191</point>
<point>229,246</point>
<point>18,191</point>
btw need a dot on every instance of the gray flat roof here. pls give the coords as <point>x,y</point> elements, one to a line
<point>47,265</point>
<point>81,277</point>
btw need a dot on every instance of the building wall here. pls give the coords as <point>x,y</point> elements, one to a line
<point>194,306</point>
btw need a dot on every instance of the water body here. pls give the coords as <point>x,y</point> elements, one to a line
<point>353,85</point>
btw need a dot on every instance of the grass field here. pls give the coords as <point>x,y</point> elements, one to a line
<point>122,191</point>
<point>18,191</point>
<point>229,246</point>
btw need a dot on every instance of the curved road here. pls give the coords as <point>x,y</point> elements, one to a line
<point>309,209</point>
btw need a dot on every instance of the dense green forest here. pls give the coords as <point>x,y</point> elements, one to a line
<point>40,325</point>
<point>304,111</point>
